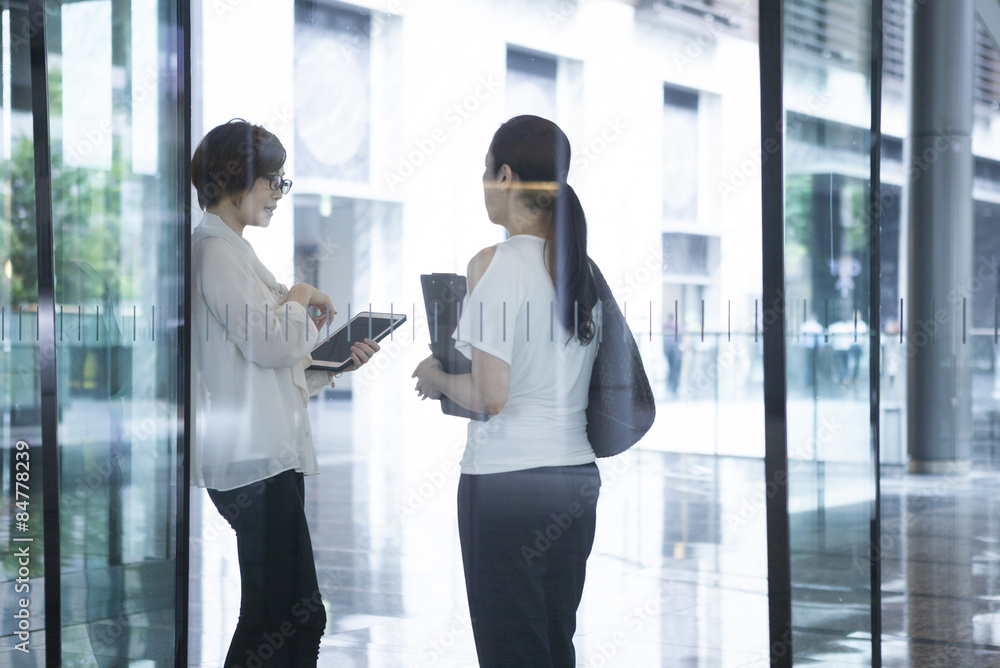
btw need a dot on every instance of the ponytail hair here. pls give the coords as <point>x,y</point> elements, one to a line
<point>569,265</point>
<point>538,152</point>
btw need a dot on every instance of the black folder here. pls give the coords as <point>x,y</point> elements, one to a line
<point>443,298</point>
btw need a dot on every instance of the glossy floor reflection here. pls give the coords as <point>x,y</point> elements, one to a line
<point>672,581</point>
<point>941,570</point>
<point>678,574</point>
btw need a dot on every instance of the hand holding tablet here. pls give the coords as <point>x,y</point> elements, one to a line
<point>334,352</point>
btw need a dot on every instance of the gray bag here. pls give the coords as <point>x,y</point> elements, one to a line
<point>621,407</point>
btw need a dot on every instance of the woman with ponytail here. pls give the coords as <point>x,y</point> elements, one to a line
<point>527,496</point>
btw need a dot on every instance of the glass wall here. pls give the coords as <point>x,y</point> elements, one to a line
<point>118,159</point>
<point>831,472</point>
<point>21,510</point>
<point>387,110</point>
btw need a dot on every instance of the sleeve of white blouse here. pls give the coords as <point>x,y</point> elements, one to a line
<point>489,312</point>
<point>317,380</point>
<point>269,335</point>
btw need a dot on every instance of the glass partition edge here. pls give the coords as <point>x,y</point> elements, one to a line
<point>775,395</point>
<point>46,332</point>
<point>183,111</point>
<point>875,324</point>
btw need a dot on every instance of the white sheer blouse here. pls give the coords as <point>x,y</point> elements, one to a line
<point>250,349</point>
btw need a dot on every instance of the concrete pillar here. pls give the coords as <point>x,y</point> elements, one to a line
<point>938,316</point>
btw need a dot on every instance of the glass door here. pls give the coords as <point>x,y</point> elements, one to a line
<point>117,164</point>
<point>832,473</point>
<point>22,542</point>
<point>118,151</point>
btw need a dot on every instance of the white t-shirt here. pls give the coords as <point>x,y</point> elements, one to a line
<point>511,314</point>
<point>249,350</point>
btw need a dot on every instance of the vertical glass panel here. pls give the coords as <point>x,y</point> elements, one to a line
<point>830,469</point>
<point>118,263</point>
<point>21,536</point>
<point>394,111</point>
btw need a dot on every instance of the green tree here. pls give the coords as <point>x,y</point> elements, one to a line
<point>86,223</point>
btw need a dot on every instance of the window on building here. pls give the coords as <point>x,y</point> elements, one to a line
<point>690,254</point>
<point>332,53</point>
<point>680,154</point>
<point>531,84</point>
<point>835,31</point>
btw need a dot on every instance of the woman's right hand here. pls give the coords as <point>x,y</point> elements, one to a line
<point>308,296</point>
<point>427,373</point>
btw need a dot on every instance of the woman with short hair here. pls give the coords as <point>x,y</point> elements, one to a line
<point>251,339</point>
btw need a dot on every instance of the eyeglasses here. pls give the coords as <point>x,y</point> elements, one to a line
<point>277,182</point>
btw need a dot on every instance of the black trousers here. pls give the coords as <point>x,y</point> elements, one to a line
<point>281,611</point>
<point>526,536</point>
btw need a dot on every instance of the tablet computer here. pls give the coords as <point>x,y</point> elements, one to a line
<point>334,352</point>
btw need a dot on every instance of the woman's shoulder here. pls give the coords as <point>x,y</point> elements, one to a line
<point>215,260</point>
<point>478,265</point>
<point>510,257</point>
<point>207,248</point>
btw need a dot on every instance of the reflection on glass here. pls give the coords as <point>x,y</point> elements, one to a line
<point>117,241</point>
<point>830,472</point>
<point>21,530</point>
<point>657,101</point>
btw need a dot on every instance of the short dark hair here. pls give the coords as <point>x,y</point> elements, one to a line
<point>231,158</point>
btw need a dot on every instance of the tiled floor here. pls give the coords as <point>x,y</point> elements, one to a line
<point>941,570</point>
<point>678,574</point>
<point>669,582</point>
